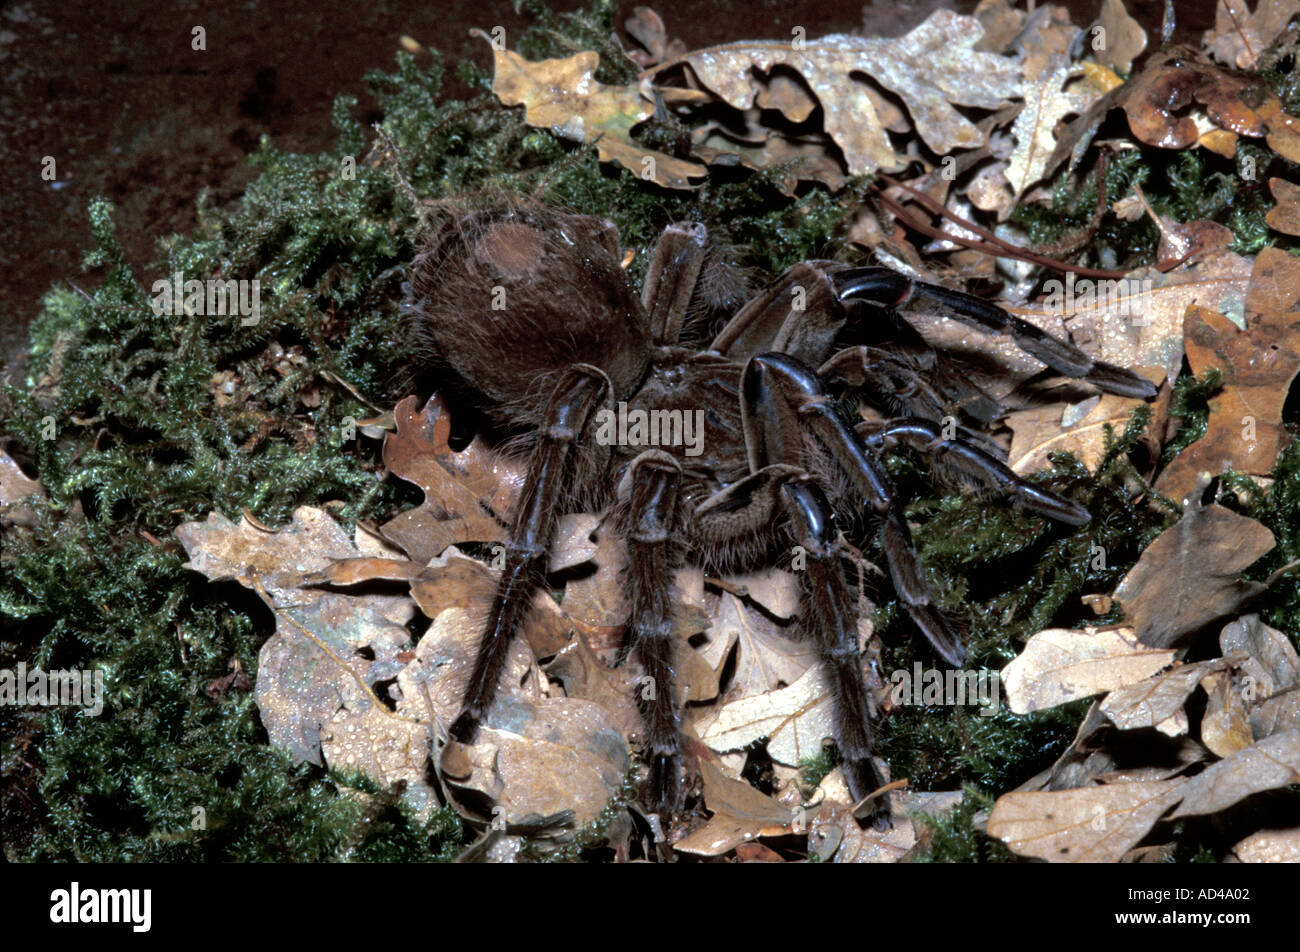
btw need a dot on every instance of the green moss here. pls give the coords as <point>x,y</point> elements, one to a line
<point>1191,407</point>
<point>1004,575</point>
<point>953,838</point>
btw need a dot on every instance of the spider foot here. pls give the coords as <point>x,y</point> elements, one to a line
<point>662,792</point>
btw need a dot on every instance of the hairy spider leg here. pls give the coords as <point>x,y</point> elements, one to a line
<point>577,394</point>
<point>891,289</point>
<point>651,494</point>
<point>988,471</point>
<point>782,400</point>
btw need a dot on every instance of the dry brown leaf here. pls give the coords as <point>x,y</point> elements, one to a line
<point>1159,99</point>
<point>1272,666</point>
<point>1225,726</point>
<point>1081,430</point>
<point>1059,665</point>
<point>597,600</point>
<point>453,581</point>
<point>1101,823</point>
<point>586,676</point>
<point>1269,680</point>
<point>1245,430</point>
<point>740,814</point>
<point>457,486</point>
<point>1271,763</point>
<point>793,160</point>
<point>534,755</point>
<point>1240,35</point>
<point>563,95</point>
<point>1270,846</point>
<point>1045,40</point>
<point>1002,23</point>
<point>1285,216</point>
<point>932,68</point>
<point>1155,700</point>
<point>833,830</point>
<point>1277,714</point>
<point>647,28</point>
<point>1123,38</point>
<point>1096,824</point>
<point>1190,575</point>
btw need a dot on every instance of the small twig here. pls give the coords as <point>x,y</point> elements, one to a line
<point>992,244</point>
<point>1254,60</point>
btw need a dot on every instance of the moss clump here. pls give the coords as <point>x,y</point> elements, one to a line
<point>953,838</point>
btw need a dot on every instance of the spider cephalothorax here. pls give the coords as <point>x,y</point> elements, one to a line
<point>528,310</point>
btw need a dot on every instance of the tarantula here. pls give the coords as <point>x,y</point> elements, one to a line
<point>527,310</point>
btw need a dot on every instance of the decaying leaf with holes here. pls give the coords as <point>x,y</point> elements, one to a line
<point>1245,430</point>
<point>932,69</point>
<point>321,678</point>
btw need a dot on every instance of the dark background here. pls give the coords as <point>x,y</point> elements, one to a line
<point>129,111</point>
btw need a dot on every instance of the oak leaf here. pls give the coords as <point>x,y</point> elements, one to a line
<point>1245,430</point>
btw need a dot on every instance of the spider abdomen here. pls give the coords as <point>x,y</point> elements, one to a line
<point>506,297</point>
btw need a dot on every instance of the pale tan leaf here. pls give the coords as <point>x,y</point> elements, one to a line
<point>1080,429</point>
<point>768,656</point>
<point>1273,665</point>
<point>795,720</point>
<point>1059,665</point>
<point>1271,763</point>
<point>1124,38</point>
<point>1270,846</point>
<point>1047,101</point>
<point>740,814</point>
<point>1096,824</point>
<point>1225,726</point>
<point>1151,702</point>
<point>1138,322</point>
